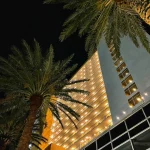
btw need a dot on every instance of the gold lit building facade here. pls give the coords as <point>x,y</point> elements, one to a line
<point>93,121</point>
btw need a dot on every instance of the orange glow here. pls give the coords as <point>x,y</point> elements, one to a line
<point>47,132</point>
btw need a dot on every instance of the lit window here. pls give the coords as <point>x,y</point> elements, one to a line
<point>121,67</point>
<point>135,100</point>
<point>131,89</point>
<point>127,81</point>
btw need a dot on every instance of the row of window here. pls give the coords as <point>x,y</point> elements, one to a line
<point>127,83</point>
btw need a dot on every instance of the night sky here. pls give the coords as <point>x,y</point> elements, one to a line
<point>29,19</point>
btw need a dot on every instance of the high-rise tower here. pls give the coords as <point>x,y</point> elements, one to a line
<point>127,82</point>
<point>94,120</point>
<point>127,78</point>
<point>119,90</point>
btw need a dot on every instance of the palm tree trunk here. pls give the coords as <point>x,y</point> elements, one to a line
<point>24,141</point>
<point>143,10</point>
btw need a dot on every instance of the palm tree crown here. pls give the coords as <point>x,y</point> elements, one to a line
<point>102,18</point>
<point>30,77</point>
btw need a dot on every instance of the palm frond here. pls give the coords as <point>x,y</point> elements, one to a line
<point>107,18</point>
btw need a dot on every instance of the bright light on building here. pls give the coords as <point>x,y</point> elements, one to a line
<point>130,81</point>
<point>89,123</point>
<point>134,89</point>
<point>124,112</point>
<point>145,94</point>
<point>118,118</point>
<point>138,99</point>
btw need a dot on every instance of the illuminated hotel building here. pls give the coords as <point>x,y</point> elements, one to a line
<point>93,121</point>
<point>119,93</point>
<point>127,83</point>
<point>127,78</point>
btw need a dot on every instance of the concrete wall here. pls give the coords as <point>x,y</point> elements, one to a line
<point>138,63</point>
<point>116,97</point>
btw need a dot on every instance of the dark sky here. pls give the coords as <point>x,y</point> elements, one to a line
<point>29,19</point>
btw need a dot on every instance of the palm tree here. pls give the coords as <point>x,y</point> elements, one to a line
<point>141,7</point>
<point>39,81</point>
<point>102,18</point>
<point>11,123</point>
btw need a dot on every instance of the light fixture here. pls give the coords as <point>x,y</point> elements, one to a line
<point>130,81</point>
<point>65,146</point>
<point>86,120</point>
<point>109,120</point>
<point>65,138</point>
<point>138,99</point>
<point>108,111</point>
<point>142,97</point>
<point>145,94</point>
<point>95,112</point>
<point>124,112</point>
<point>106,104</point>
<point>94,99</point>
<point>73,131</point>
<point>134,89</point>
<point>95,105</point>
<point>96,120</point>
<point>52,130</point>
<point>30,145</point>
<point>118,118</point>
<point>131,106</point>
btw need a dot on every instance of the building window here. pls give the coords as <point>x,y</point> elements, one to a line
<point>135,99</point>
<point>115,58</point>
<point>131,89</point>
<point>111,48</point>
<point>121,67</point>
<point>113,53</point>
<point>127,81</point>
<point>119,61</point>
<point>124,73</point>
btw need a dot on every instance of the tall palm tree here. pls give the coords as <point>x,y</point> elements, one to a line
<point>30,77</point>
<point>102,18</point>
<point>12,124</point>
